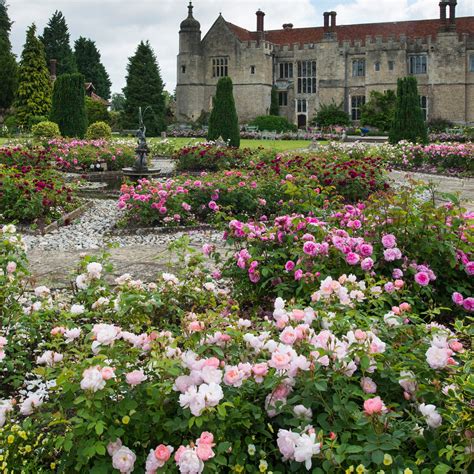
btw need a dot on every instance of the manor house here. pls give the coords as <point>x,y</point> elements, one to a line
<point>341,63</point>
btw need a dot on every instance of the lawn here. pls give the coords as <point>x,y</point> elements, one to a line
<point>3,140</point>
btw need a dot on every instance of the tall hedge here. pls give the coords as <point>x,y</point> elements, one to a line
<point>223,121</point>
<point>274,105</point>
<point>408,123</point>
<point>8,66</point>
<point>69,110</point>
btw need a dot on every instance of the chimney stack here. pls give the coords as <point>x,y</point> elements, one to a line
<point>260,21</point>
<point>443,5</point>
<point>52,68</point>
<point>326,20</point>
<point>333,20</point>
<point>452,12</point>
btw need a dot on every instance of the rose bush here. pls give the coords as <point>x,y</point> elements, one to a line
<point>350,380</point>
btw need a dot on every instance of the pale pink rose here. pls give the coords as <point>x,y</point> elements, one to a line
<point>366,250</point>
<point>280,361</point>
<point>11,267</point>
<point>163,453</point>
<point>368,385</point>
<point>260,371</point>
<point>196,326</point>
<point>288,336</point>
<point>399,284</point>
<point>114,446</point>
<point>92,379</point>
<point>204,451</point>
<point>58,330</point>
<point>212,362</point>
<point>297,315</point>
<point>135,377</point>
<point>108,373</point>
<point>456,346</point>
<point>206,438</point>
<point>124,460</point>
<point>374,406</point>
<point>286,442</point>
<point>389,241</point>
<point>405,307</point>
<point>360,335</point>
<point>437,357</point>
<point>233,377</point>
<point>179,453</point>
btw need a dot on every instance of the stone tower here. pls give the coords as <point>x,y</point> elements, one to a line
<point>189,88</point>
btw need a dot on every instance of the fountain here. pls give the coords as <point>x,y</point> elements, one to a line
<point>140,168</point>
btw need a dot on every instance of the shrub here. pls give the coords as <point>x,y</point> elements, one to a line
<point>408,123</point>
<point>223,121</point>
<point>99,130</point>
<point>274,106</point>
<point>380,110</point>
<point>36,119</point>
<point>46,130</point>
<point>273,123</point>
<point>68,109</point>
<point>96,111</point>
<point>331,114</point>
<point>439,125</point>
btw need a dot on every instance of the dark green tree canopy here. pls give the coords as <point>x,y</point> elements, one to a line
<point>274,106</point>
<point>8,66</point>
<point>56,44</point>
<point>331,114</point>
<point>224,121</point>
<point>144,88</point>
<point>69,106</point>
<point>380,110</point>
<point>89,64</point>
<point>408,123</point>
<point>33,97</point>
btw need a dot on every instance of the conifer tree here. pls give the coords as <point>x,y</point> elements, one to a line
<point>89,64</point>
<point>33,97</point>
<point>56,44</point>
<point>224,121</point>
<point>408,123</point>
<point>144,88</point>
<point>274,106</point>
<point>69,107</point>
<point>8,66</point>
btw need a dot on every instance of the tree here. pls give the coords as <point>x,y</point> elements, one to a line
<point>408,123</point>
<point>96,111</point>
<point>380,110</point>
<point>144,88</point>
<point>8,66</point>
<point>331,114</point>
<point>69,109</point>
<point>89,64</point>
<point>224,121</point>
<point>118,102</point>
<point>33,97</point>
<point>274,106</point>
<point>56,44</point>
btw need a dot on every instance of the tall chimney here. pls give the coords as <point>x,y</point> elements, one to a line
<point>326,20</point>
<point>452,11</point>
<point>333,20</point>
<point>52,68</point>
<point>260,21</point>
<point>443,5</point>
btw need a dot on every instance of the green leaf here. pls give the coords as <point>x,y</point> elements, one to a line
<point>377,457</point>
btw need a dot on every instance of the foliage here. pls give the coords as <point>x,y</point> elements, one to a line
<point>89,64</point>
<point>34,195</point>
<point>56,44</point>
<point>274,105</point>
<point>439,125</point>
<point>33,97</point>
<point>350,380</point>
<point>273,124</point>
<point>118,102</point>
<point>331,114</point>
<point>69,110</point>
<point>144,89</point>
<point>223,121</point>
<point>208,157</point>
<point>96,111</point>
<point>46,130</point>
<point>99,130</point>
<point>8,66</point>
<point>408,123</point>
<point>380,110</point>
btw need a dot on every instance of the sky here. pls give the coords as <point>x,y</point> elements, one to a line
<point>117,26</point>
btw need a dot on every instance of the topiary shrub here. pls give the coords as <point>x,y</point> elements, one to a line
<point>99,130</point>
<point>273,123</point>
<point>223,121</point>
<point>331,114</point>
<point>46,130</point>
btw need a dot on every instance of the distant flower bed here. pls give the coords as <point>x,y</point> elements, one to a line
<point>449,137</point>
<point>34,195</point>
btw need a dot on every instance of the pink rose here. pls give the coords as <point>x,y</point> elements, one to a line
<point>457,298</point>
<point>260,370</point>
<point>352,258</point>
<point>206,438</point>
<point>367,264</point>
<point>422,278</point>
<point>233,377</point>
<point>204,452</point>
<point>389,241</point>
<point>468,304</point>
<point>374,406</point>
<point>289,266</point>
<point>298,274</point>
<point>280,361</point>
<point>469,267</point>
<point>162,453</point>
<point>368,385</point>
<point>108,373</point>
<point>135,377</point>
<point>310,248</point>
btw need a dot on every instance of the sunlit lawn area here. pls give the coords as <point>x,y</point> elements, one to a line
<point>3,140</point>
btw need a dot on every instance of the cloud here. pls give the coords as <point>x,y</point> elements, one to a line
<point>118,26</point>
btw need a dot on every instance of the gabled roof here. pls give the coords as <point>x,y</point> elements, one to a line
<point>411,29</point>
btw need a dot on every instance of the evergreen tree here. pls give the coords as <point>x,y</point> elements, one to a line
<point>56,44</point>
<point>408,123</point>
<point>8,66</point>
<point>33,97</point>
<point>69,107</point>
<point>118,102</point>
<point>144,88</point>
<point>89,64</point>
<point>274,106</point>
<point>224,121</point>
<point>380,110</point>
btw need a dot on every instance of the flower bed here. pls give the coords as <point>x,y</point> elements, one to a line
<point>219,197</point>
<point>34,195</point>
<point>412,248</point>
<point>173,377</point>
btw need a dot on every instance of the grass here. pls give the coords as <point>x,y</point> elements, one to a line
<point>3,140</point>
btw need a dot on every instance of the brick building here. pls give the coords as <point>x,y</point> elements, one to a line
<point>314,66</point>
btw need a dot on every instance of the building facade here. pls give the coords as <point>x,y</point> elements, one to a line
<point>314,66</point>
